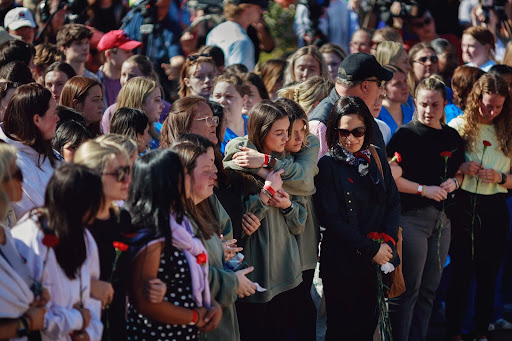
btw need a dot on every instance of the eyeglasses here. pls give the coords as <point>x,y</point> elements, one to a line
<point>423,23</point>
<point>121,174</point>
<point>380,83</point>
<point>211,121</point>
<point>423,60</point>
<point>193,57</point>
<point>357,132</point>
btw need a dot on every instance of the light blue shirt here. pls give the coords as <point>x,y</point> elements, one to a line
<point>385,116</point>
<point>233,40</point>
<point>229,135</point>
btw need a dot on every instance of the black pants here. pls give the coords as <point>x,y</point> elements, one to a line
<point>305,326</point>
<point>273,320</point>
<point>351,303</point>
<point>490,236</point>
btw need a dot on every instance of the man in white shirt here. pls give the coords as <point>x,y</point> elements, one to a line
<point>231,36</point>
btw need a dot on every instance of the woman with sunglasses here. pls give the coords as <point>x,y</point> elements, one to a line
<point>29,125</point>
<point>110,222</point>
<point>70,265</point>
<point>424,63</point>
<point>197,76</point>
<point>431,154</point>
<point>478,48</point>
<point>353,199</point>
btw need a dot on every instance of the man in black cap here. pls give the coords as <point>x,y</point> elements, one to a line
<point>231,36</point>
<point>359,75</point>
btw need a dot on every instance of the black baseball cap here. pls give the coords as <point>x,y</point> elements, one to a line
<point>360,66</point>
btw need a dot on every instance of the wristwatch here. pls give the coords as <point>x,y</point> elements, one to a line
<point>503,179</point>
<point>23,327</point>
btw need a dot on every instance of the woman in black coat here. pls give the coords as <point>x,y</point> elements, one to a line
<point>353,199</point>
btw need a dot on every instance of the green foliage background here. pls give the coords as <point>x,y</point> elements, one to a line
<point>280,23</point>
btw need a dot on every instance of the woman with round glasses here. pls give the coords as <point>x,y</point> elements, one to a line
<point>197,76</point>
<point>478,48</point>
<point>424,63</point>
<point>353,199</point>
<point>114,166</point>
<point>191,114</point>
<point>431,155</point>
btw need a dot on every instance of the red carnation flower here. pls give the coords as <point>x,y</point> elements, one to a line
<point>446,154</point>
<point>50,240</point>
<point>373,235</point>
<point>202,258</point>
<point>398,157</point>
<point>386,237</point>
<point>119,246</point>
<point>487,143</point>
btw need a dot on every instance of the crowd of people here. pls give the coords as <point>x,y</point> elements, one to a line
<point>161,182</point>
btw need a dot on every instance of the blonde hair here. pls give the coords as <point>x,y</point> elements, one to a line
<point>388,51</point>
<point>311,50</point>
<point>134,93</point>
<point>96,155</point>
<point>120,141</point>
<point>232,11</point>
<point>7,156</point>
<point>308,93</point>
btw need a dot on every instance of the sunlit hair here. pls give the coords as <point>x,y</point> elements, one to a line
<point>272,73</point>
<point>308,93</point>
<point>483,36</point>
<point>311,50</point>
<point>488,84</point>
<point>189,68</point>
<point>333,48</point>
<point>507,58</point>
<point>122,142</point>
<point>463,80</point>
<point>96,155</point>
<point>388,52</point>
<point>7,157</point>
<point>387,34</point>
<point>240,86</point>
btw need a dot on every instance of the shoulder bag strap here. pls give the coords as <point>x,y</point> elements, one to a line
<point>377,159</point>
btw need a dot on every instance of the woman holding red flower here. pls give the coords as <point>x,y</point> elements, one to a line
<point>353,199</point>
<point>65,267</point>
<point>480,238</point>
<point>431,154</point>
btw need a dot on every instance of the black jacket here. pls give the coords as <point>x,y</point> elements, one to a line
<point>323,110</point>
<point>349,206</point>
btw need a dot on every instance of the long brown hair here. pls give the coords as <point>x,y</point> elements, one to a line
<point>411,79</point>
<point>489,84</point>
<point>189,147</point>
<point>29,100</point>
<point>77,88</point>
<point>261,119</point>
<point>463,80</point>
<point>179,119</point>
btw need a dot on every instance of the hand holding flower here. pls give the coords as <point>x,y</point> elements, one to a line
<point>102,291</point>
<point>489,176</point>
<point>470,168</point>
<point>435,193</point>
<point>449,185</point>
<point>384,254</point>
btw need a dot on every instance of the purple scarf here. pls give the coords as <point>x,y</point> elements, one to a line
<point>183,239</point>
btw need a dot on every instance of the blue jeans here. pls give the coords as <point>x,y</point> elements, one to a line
<point>426,239</point>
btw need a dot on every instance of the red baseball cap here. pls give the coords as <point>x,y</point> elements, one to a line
<point>117,38</point>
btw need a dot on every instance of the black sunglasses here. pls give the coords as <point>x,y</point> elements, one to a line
<point>121,174</point>
<point>193,57</point>
<point>423,60</point>
<point>357,132</point>
<point>423,23</point>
